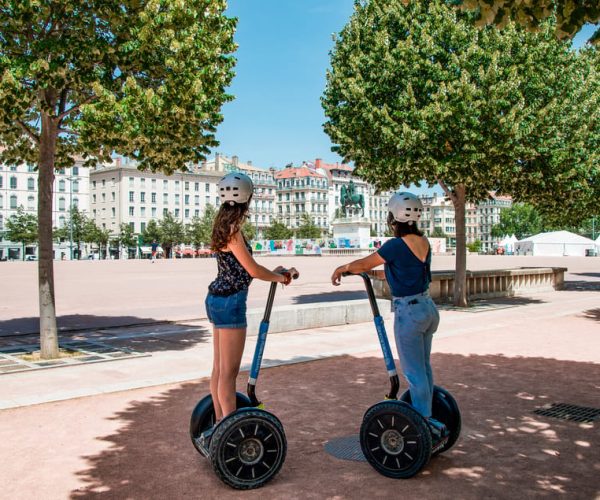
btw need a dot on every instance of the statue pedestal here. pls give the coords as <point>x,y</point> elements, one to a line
<point>352,232</point>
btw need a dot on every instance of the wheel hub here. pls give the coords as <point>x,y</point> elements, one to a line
<point>392,442</point>
<point>251,451</point>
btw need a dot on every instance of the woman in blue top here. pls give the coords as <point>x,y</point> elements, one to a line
<point>227,294</point>
<point>407,267</point>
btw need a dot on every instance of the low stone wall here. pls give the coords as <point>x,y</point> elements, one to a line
<point>489,284</point>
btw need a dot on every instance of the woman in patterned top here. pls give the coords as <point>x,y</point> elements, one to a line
<point>227,294</point>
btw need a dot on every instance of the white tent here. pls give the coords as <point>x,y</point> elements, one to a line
<point>508,243</point>
<point>598,243</point>
<point>555,243</point>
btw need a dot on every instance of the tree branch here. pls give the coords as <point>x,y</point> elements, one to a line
<point>76,107</point>
<point>67,131</point>
<point>28,131</point>
<point>450,194</point>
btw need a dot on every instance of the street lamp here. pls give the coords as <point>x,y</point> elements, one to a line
<point>70,179</point>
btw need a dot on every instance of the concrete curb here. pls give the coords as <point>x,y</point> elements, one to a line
<point>316,315</point>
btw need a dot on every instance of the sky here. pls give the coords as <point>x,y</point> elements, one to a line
<point>276,117</point>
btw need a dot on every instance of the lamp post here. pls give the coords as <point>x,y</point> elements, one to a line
<point>70,179</point>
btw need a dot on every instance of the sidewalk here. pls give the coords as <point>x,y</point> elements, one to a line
<point>500,364</point>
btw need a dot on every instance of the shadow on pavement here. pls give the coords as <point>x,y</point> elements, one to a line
<point>593,314</point>
<point>341,296</point>
<point>504,448</point>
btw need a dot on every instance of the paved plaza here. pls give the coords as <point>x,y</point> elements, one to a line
<point>119,429</point>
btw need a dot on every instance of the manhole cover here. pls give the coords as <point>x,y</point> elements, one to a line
<point>345,448</point>
<point>572,413</point>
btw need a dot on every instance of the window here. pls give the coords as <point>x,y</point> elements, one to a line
<point>13,201</point>
<point>165,211</point>
<point>165,198</point>
<point>112,181</point>
<point>187,186</point>
<point>31,184</point>
<point>176,213</point>
<point>142,227</point>
<point>61,203</point>
<point>113,196</point>
<point>132,226</point>
<point>114,212</point>
<point>165,184</point>
<point>217,201</point>
<point>103,182</point>
<point>75,170</point>
<point>30,168</point>
<point>197,200</point>
<point>76,202</point>
<point>196,186</point>
<point>177,185</point>
<point>196,213</point>
<point>187,199</point>
<point>1,181</point>
<point>103,197</point>
<point>143,212</point>
<point>153,183</point>
<point>94,212</point>
<point>153,197</point>
<point>131,211</point>
<point>61,186</point>
<point>75,187</point>
<point>187,213</point>
<point>177,199</point>
<point>131,181</point>
<point>208,200</point>
<point>142,197</point>
<point>131,196</point>
<point>13,168</point>
<point>143,181</point>
<point>94,184</point>
<point>30,203</point>
<point>153,212</point>
<point>207,188</point>
<point>13,183</point>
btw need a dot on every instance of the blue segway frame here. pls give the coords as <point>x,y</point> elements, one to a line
<point>384,342</point>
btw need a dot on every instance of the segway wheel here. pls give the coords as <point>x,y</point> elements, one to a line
<point>203,416</point>
<point>445,409</point>
<point>248,448</point>
<point>395,439</point>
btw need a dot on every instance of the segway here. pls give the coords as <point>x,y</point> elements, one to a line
<point>248,447</point>
<point>395,439</point>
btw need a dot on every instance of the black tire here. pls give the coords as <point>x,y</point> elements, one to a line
<point>248,448</point>
<point>395,439</point>
<point>203,416</point>
<point>445,409</point>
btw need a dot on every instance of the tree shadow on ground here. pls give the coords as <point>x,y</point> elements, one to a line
<point>592,275</point>
<point>341,296</point>
<point>504,447</point>
<point>148,336</point>
<point>593,314</point>
<point>581,286</point>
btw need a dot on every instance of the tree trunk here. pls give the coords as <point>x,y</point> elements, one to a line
<point>48,330</point>
<point>460,277</point>
<point>23,251</point>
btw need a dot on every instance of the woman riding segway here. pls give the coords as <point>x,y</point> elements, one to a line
<point>407,268</point>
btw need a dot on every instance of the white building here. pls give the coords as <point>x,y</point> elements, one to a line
<point>19,188</point>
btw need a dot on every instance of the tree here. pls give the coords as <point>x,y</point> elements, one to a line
<point>249,231</point>
<point>144,79</point>
<point>151,233</point>
<point>475,246</point>
<point>570,15</point>
<point>418,93</point>
<point>307,228</point>
<point>278,231</point>
<point>126,237</point>
<point>171,233</point>
<point>73,230</point>
<point>200,229</point>
<point>521,219</point>
<point>22,227</point>
<point>438,232</point>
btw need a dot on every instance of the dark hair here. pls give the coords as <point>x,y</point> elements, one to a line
<point>229,220</point>
<point>400,229</point>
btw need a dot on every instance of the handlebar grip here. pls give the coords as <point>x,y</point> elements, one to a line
<point>295,275</point>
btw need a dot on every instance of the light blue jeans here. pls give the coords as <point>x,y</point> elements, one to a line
<point>415,320</point>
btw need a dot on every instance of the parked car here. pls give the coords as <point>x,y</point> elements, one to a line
<point>30,257</point>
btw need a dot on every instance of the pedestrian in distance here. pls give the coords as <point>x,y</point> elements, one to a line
<point>407,268</point>
<point>228,293</point>
<point>154,247</point>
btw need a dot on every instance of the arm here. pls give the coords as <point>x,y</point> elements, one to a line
<point>357,266</point>
<point>238,248</point>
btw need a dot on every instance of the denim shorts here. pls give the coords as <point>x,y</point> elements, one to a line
<point>227,312</point>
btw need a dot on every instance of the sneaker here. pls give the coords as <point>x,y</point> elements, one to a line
<point>439,431</point>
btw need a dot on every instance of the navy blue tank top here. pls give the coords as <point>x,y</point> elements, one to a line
<point>405,273</point>
<point>232,277</point>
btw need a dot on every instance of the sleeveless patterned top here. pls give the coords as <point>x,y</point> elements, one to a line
<point>231,277</point>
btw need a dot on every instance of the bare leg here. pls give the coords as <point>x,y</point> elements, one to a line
<point>214,378</point>
<point>231,346</point>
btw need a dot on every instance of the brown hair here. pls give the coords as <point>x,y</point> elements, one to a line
<point>229,220</point>
<point>400,229</point>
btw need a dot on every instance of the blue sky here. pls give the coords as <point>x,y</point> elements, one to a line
<point>276,117</point>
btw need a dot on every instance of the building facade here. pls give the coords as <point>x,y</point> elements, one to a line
<point>19,188</point>
<point>488,213</point>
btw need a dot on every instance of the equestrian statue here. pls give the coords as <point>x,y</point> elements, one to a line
<point>350,199</point>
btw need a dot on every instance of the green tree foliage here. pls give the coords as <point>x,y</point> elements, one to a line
<point>143,78</point>
<point>22,228</point>
<point>199,231</point>
<point>73,230</point>
<point>249,231</point>
<point>570,15</point>
<point>151,233</point>
<point>126,237</point>
<point>438,232</point>
<point>418,93</point>
<point>307,228</point>
<point>521,219</point>
<point>172,233</point>
<point>278,231</point>
<point>475,246</point>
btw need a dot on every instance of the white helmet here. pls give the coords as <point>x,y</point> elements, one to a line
<point>235,188</point>
<point>405,207</point>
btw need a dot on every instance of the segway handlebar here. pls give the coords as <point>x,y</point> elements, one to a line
<point>370,291</point>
